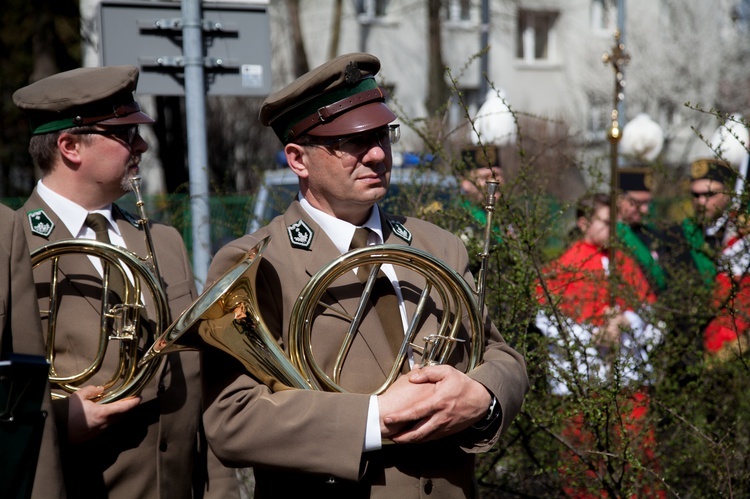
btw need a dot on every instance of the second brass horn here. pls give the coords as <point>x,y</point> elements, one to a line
<point>246,337</point>
<point>120,320</point>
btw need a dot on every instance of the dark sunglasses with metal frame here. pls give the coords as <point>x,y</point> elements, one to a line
<point>126,134</point>
<point>359,143</point>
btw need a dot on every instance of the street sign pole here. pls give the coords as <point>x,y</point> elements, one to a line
<point>179,52</point>
<point>195,110</point>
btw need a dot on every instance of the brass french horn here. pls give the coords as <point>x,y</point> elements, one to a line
<point>249,340</point>
<point>120,322</point>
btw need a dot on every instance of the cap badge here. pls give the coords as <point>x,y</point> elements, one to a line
<point>699,169</point>
<point>352,74</point>
<point>300,235</point>
<point>648,181</point>
<point>40,223</point>
<point>400,231</point>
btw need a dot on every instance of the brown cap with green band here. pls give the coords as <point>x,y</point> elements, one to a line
<point>82,97</point>
<point>340,97</point>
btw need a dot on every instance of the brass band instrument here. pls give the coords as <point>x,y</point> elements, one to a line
<point>120,322</point>
<point>456,295</point>
<point>248,339</point>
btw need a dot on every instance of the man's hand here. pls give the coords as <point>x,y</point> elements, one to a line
<point>448,402</point>
<point>87,419</point>
<point>400,396</point>
<point>609,335</point>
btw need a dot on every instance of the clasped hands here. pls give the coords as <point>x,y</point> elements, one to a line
<point>429,403</point>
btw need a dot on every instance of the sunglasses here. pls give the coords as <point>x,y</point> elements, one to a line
<point>125,134</point>
<point>360,143</point>
<point>707,194</point>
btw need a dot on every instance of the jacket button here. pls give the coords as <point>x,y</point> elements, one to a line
<point>428,486</point>
<point>163,446</point>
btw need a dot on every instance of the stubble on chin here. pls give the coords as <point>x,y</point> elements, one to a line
<point>130,172</point>
<point>125,183</point>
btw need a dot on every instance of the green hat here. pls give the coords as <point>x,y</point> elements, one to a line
<point>82,97</point>
<point>713,169</point>
<point>635,179</point>
<point>341,97</point>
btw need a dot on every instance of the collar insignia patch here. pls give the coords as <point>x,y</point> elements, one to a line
<point>132,219</point>
<point>401,231</point>
<point>300,235</point>
<point>40,223</point>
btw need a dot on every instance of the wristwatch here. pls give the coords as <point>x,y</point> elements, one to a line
<point>493,412</point>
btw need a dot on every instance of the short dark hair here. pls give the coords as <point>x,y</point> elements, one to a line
<point>588,205</point>
<point>43,147</point>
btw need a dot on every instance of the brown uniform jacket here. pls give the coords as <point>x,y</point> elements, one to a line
<point>155,450</point>
<point>20,332</point>
<point>303,442</point>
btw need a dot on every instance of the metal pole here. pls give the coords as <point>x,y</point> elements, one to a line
<point>621,104</point>
<point>484,40</point>
<point>195,110</point>
<point>618,59</point>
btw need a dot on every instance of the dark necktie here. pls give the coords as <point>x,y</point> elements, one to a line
<point>383,297</point>
<point>98,223</point>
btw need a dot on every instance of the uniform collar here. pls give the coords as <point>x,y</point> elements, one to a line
<point>72,215</point>
<point>340,231</point>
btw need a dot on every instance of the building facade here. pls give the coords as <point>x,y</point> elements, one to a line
<point>546,56</point>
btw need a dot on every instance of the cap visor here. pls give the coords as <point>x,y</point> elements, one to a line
<point>136,118</point>
<point>361,119</point>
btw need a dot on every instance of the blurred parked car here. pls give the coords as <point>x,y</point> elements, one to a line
<point>413,191</point>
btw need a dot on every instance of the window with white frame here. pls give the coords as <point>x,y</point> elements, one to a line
<point>457,10</point>
<point>603,15</point>
<point>458,109</point>
<point>536,37</point>
<point>600,113</point>
<point>370,10</point>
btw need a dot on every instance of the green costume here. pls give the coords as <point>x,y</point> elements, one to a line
<point>699,251</point>
<point>642,254</point>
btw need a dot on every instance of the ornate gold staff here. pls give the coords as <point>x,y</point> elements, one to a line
<point>618,58</point>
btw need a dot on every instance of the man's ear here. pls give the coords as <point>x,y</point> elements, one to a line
<point>296,158</point>
<point>70,147</point>
<point>582,223</point>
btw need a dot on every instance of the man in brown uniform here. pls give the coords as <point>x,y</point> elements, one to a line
<point>334,125</point>
<point>21,333</point>
<point>86,143</point>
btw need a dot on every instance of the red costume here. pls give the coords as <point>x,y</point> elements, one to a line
<point>579,283</point>
<point>580,288</point>
<point>727,333</point>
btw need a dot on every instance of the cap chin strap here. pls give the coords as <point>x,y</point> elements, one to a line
<point>118,112</point>
<point>327,113</point>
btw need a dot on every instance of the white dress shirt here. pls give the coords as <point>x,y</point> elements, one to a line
<point>73,216</point>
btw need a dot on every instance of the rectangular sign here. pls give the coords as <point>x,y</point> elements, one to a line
<point>236,41</point>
